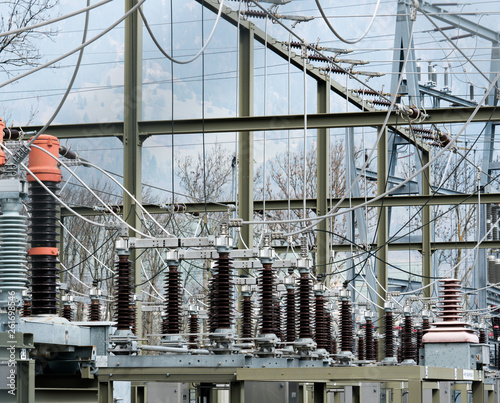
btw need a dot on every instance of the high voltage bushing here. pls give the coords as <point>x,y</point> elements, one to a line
<point>277,319</point>
<point>246,318</point>
<point>172,319</point>
<point>408,347</point>
<point>331,348</point>
<point>305,286</point>
<point>124,312</point>
<point>13,272</point>
<point>390,353</point>
<point>419,343</point>
<point>495,322</point>
<point>369,346</point>
<point>95,307</point>
<point>267,291</point>
<point>346,323</point>
<point>492,275</point>
<point>291,305</point>
<point>193,328</point>
<point>44,212</point>
<point>320,331</point>
<point>67,309</point>
<point>26,311</point>
<point>221,294</point>
<point>361,346</point>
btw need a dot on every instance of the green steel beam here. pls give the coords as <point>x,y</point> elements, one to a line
<point>382,228</point>
<point>245,143</point>
<point>268,123</point>
<point>427,228</point>
<point>323,180</point>
<point>393,201</point>
<point>132,150</point>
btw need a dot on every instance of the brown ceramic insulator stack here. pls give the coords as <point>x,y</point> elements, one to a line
<point>361,348</point>
<point>124,308</point>
<point>267,291</point>
<point>400,354</point>
<point>389,334</point>
<point>329,333</point>
<point>407,340</point>
<point>426,325</point>
<point>133,327</point>
<point>482,337</point>
<point>321,331</point>
<point>246,320</point>
<point>450,329</point>
<point>26,308</point>
<point>291,326</point>
<point>346,326</point>
<point>277,319</point>
<point>334,346</point>
<point>375,348</point>
<point>419,343</point>
<point>495,322</point>
<point>193,330</point>
<point>255,14</point>
<point>172,319</point>
<point>67,312</point>
<point>221,294</point>
<point>369,347</point>
<point>305,328</point>
<point>95,311</point>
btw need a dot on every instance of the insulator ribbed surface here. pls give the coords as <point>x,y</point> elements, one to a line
<point>267,290</point>
<point>291,319</point>
<point>26,312</point>
<point>346,326</point>
<point>44,273</point>
<point>246,319</point>
<point>13,245</point>
<point>305,306</point>
<point>193,330</point>
<point>369,347</point>
<point>482,337</point>
<point>173,301</point>
<point>221,294</point>
<point>321,332</point>
<point>389,334</point>
<point>124,307</point>
<point>407,340</point>
<point>95,311</point>
<point>67,312</point>
<point>361,348</point>
<point>329,333</point>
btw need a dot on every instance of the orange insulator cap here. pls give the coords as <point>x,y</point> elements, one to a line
<point>43,166</point>
<point>2,153</point>
<point>43,251</point>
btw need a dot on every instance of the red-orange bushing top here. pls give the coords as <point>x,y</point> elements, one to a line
<point>43,251</point>
<point>2,153</point>
<point>43,166</point>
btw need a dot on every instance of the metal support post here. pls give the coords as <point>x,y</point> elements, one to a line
<point>132,149</point>
<point>323,181</point>
<point>415,391</point>
<point>426,229</point>
<point>319,392</point>
<point>478,391</point>
<point>237,392</point>
<point>382,233</point>
<point>245,146</point>
<point>105,393</point>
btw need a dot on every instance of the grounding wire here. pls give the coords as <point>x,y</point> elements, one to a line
<point>83,45</point>
<point>51,21</point>
<point>325,18</point>
<point>171,58</point>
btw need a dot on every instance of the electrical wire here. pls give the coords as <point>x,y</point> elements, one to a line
<point>51,21</point>
<point>171,58</point>
<point>350,41</point>
<point>105,205</point>
<point>83,45</point>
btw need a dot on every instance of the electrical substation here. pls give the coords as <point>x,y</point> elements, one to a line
<point>354,257</point>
